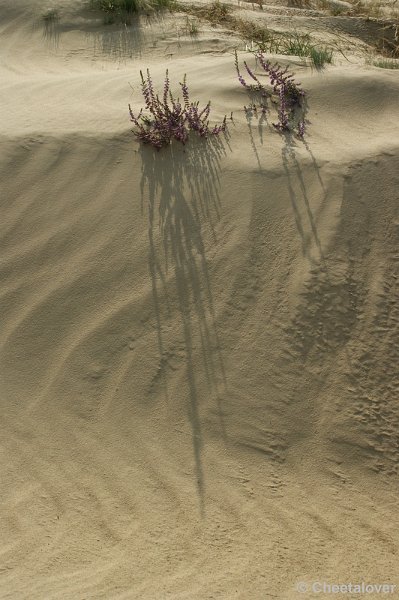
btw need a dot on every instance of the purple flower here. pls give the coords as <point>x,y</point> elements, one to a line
<point>290,94</point>
<point>169,118</point>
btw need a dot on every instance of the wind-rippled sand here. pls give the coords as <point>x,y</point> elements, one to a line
<point>199,347</point>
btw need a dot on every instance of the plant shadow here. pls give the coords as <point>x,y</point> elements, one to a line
<point>115,40</point>
<point>121,41</point>
<point>49,24</point>
<point>180,190</point>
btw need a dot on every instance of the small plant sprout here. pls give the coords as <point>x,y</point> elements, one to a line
<point>290,95</point>
<point>167,118</point>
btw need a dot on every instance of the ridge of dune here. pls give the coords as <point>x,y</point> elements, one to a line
<point>199,347</point>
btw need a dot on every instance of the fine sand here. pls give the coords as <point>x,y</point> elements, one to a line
<point>199,347</point>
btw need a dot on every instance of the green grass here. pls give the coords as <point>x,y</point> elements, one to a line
<point>320,56</point>
<point>337,10</point>
<point>297,45</point>
<point>192,27</point>
<point>386,63</point>
<point>216,13</point>
<point>265,39</point>
<point>51,16</point>
<point>299,3</point>
<point>116,6</point>
<point>120,10</point>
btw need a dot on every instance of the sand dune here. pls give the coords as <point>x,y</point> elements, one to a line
<point>199,347</point>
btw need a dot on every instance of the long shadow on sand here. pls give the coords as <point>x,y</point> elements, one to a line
<point>332,299</point>
<point>292,169</point>
<point>180,188</point>
<point>115,40</point>
<point>123,41</point>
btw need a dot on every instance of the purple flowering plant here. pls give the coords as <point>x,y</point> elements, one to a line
<point>166,118</point>
<point>290,95</point>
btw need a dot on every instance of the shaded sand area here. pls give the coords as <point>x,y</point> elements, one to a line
<point>199,347</point>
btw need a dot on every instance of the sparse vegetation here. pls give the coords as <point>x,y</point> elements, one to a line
<point>255,33</point>
<point>192,27</point>
<point>250,31</point>
<point>50,21</point>
<point>289,94</point>
<point>388,43</point>
<point>128,6</point>
<point>216,13</point>
<point>367,9</point>
<point>266,39</point>
<point>166,118</point>
<point>122,10</point>
<point>386,63</point>
<point>296,45</point>
<point>299,3</point>
<point>337,10</point>
<point>321,56</point>
<point>51,16</point>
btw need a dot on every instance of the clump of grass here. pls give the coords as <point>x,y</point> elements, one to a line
<point>115,6</point>
<point>290,95</point>
<point>216,13</point>
<point>192,27</point>
<point>51,16</point>
<point>301,45</point>
<point>321,56</point>
<point>267,40</point>
<point>250,31</point>
<point>297,45</point>
<point>50,20</point>
<point>388,45</point>
<point>334,7</point>
<point>369,9</point>
<point>386,63</point>
<point>166,118</point>
<point>337,10</point>
<point>121,10</point>
<point>300,3</point>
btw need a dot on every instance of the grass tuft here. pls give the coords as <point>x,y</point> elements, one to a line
<point>297,45</point>
<point>51,16</point>
<point>321,56</point>
<point>121,10</point>
<point>386,63</point>
<point>337,10</point>
<point>116,6</point>
<point>216,13</point>
<point>192,27</point>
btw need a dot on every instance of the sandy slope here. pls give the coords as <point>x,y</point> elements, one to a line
<point>199,347</point>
